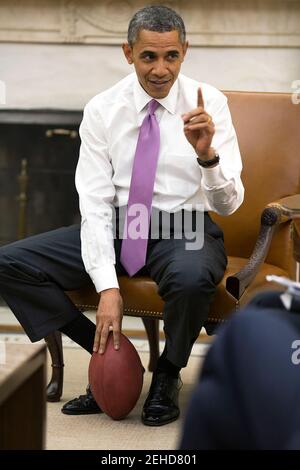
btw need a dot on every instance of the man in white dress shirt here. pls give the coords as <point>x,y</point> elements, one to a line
<point>198,170</point>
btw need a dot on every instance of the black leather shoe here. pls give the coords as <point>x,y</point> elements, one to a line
<point>161,405</point>
<point>83,405</point>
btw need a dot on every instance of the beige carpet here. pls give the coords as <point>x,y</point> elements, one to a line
<point>99,431</point>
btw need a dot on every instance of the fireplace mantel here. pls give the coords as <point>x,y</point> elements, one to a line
<point>60,53</point>
<point>258,23</point>
<point>47,117</point>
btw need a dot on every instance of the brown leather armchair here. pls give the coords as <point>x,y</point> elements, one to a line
<point>258,236</point>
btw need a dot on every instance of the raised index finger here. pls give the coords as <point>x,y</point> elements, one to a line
<point>200,101</point>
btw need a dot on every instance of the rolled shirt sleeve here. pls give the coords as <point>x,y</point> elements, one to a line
<point>222,184</point>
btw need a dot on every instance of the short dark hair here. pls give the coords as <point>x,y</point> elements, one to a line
<point>155,18</point>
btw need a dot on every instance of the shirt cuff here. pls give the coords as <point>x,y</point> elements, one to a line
<point>213,177</point>
<point>104,278</point>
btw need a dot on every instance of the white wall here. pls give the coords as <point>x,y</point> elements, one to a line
<point>67,76</point>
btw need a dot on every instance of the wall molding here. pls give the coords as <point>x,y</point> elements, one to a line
<point>230,23</point>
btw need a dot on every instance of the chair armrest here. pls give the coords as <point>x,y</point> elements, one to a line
<point>288,208</point>
<point>275,213</point>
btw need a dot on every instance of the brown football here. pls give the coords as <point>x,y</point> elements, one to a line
<point>116,378</point>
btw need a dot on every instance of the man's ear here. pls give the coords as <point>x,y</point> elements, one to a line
<point>185,48</point>
<point>127,52</point>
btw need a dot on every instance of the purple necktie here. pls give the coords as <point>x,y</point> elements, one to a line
<point>134,244</point>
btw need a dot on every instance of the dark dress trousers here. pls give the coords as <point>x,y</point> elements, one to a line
<point>35,272</point>
<point>248,393</point>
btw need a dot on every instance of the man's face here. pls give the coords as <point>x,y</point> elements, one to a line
<point>157,58</point>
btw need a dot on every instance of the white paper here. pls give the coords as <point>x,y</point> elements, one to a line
<point>293,289</point>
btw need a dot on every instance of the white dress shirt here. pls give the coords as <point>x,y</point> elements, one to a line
<point>109,133</point>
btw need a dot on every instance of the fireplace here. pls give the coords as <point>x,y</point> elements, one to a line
<point>38,156</point>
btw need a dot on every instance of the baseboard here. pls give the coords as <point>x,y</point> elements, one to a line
<point>131,333</point>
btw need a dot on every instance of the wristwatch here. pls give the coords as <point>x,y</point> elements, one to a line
<point>209,163</point>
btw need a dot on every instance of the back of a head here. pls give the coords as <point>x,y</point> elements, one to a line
<point>157,18</point>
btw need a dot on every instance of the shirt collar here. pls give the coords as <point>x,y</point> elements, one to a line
<point>141,98</point>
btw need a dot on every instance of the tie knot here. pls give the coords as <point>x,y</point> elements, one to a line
<point>152,106</point>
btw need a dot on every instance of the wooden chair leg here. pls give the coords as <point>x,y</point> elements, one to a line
<point>152,330</point>
<point>55,386</point>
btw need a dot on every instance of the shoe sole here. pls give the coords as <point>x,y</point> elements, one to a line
<point>150,423</point>
<point>66,412</point>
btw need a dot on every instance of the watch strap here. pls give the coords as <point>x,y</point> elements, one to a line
<point>209,163</point>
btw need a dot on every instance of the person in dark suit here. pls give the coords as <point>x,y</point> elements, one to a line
<point>248,393</point>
